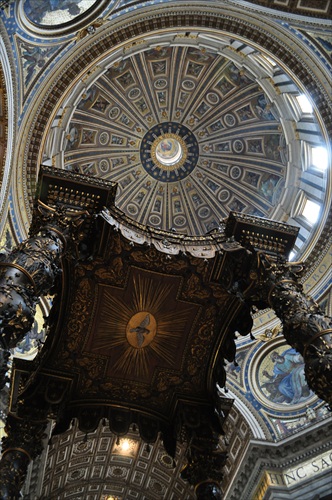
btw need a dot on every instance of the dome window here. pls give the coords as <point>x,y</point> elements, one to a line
<point>304,103</point>
<point>311,211</point>
<point>319,157</point>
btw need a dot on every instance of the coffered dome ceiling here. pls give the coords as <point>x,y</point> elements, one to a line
<point>186,134</point>
<point>190,127</point>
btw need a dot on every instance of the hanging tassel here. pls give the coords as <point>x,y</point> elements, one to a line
<point>148,448</point>
<point>118,440</point>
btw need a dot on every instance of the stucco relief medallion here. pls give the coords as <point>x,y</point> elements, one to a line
<point>224,195</point>
<point>230,120</point>
<point>235,172</point>
<point>104,138</point>
<point>76,474</point>
<point>161,83</point>
<point>134,93</point>
<point>238,146</point>
<point>104,166</point>
<point>83,446</point>
<point>188,84</point>
<point>114,112</point>
<point>155,220</point>
<point>179,221</point>
<point>212,98</point>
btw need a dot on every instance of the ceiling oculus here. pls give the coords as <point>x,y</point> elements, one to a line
<point>169,152</point>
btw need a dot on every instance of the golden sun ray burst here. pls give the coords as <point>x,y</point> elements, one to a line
<point>142,326</point>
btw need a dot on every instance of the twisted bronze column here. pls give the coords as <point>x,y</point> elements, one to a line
<point>259,275</point>
<point>26,273</point>
<point>205,459</point>
<point>23,443</point>
<point>305,326</point>
<point>30,270</point>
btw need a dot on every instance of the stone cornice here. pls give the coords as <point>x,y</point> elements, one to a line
<point>290,8</point>
<point>291,452</point>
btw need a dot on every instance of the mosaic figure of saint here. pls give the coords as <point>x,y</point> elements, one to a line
<point>287,383</point>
